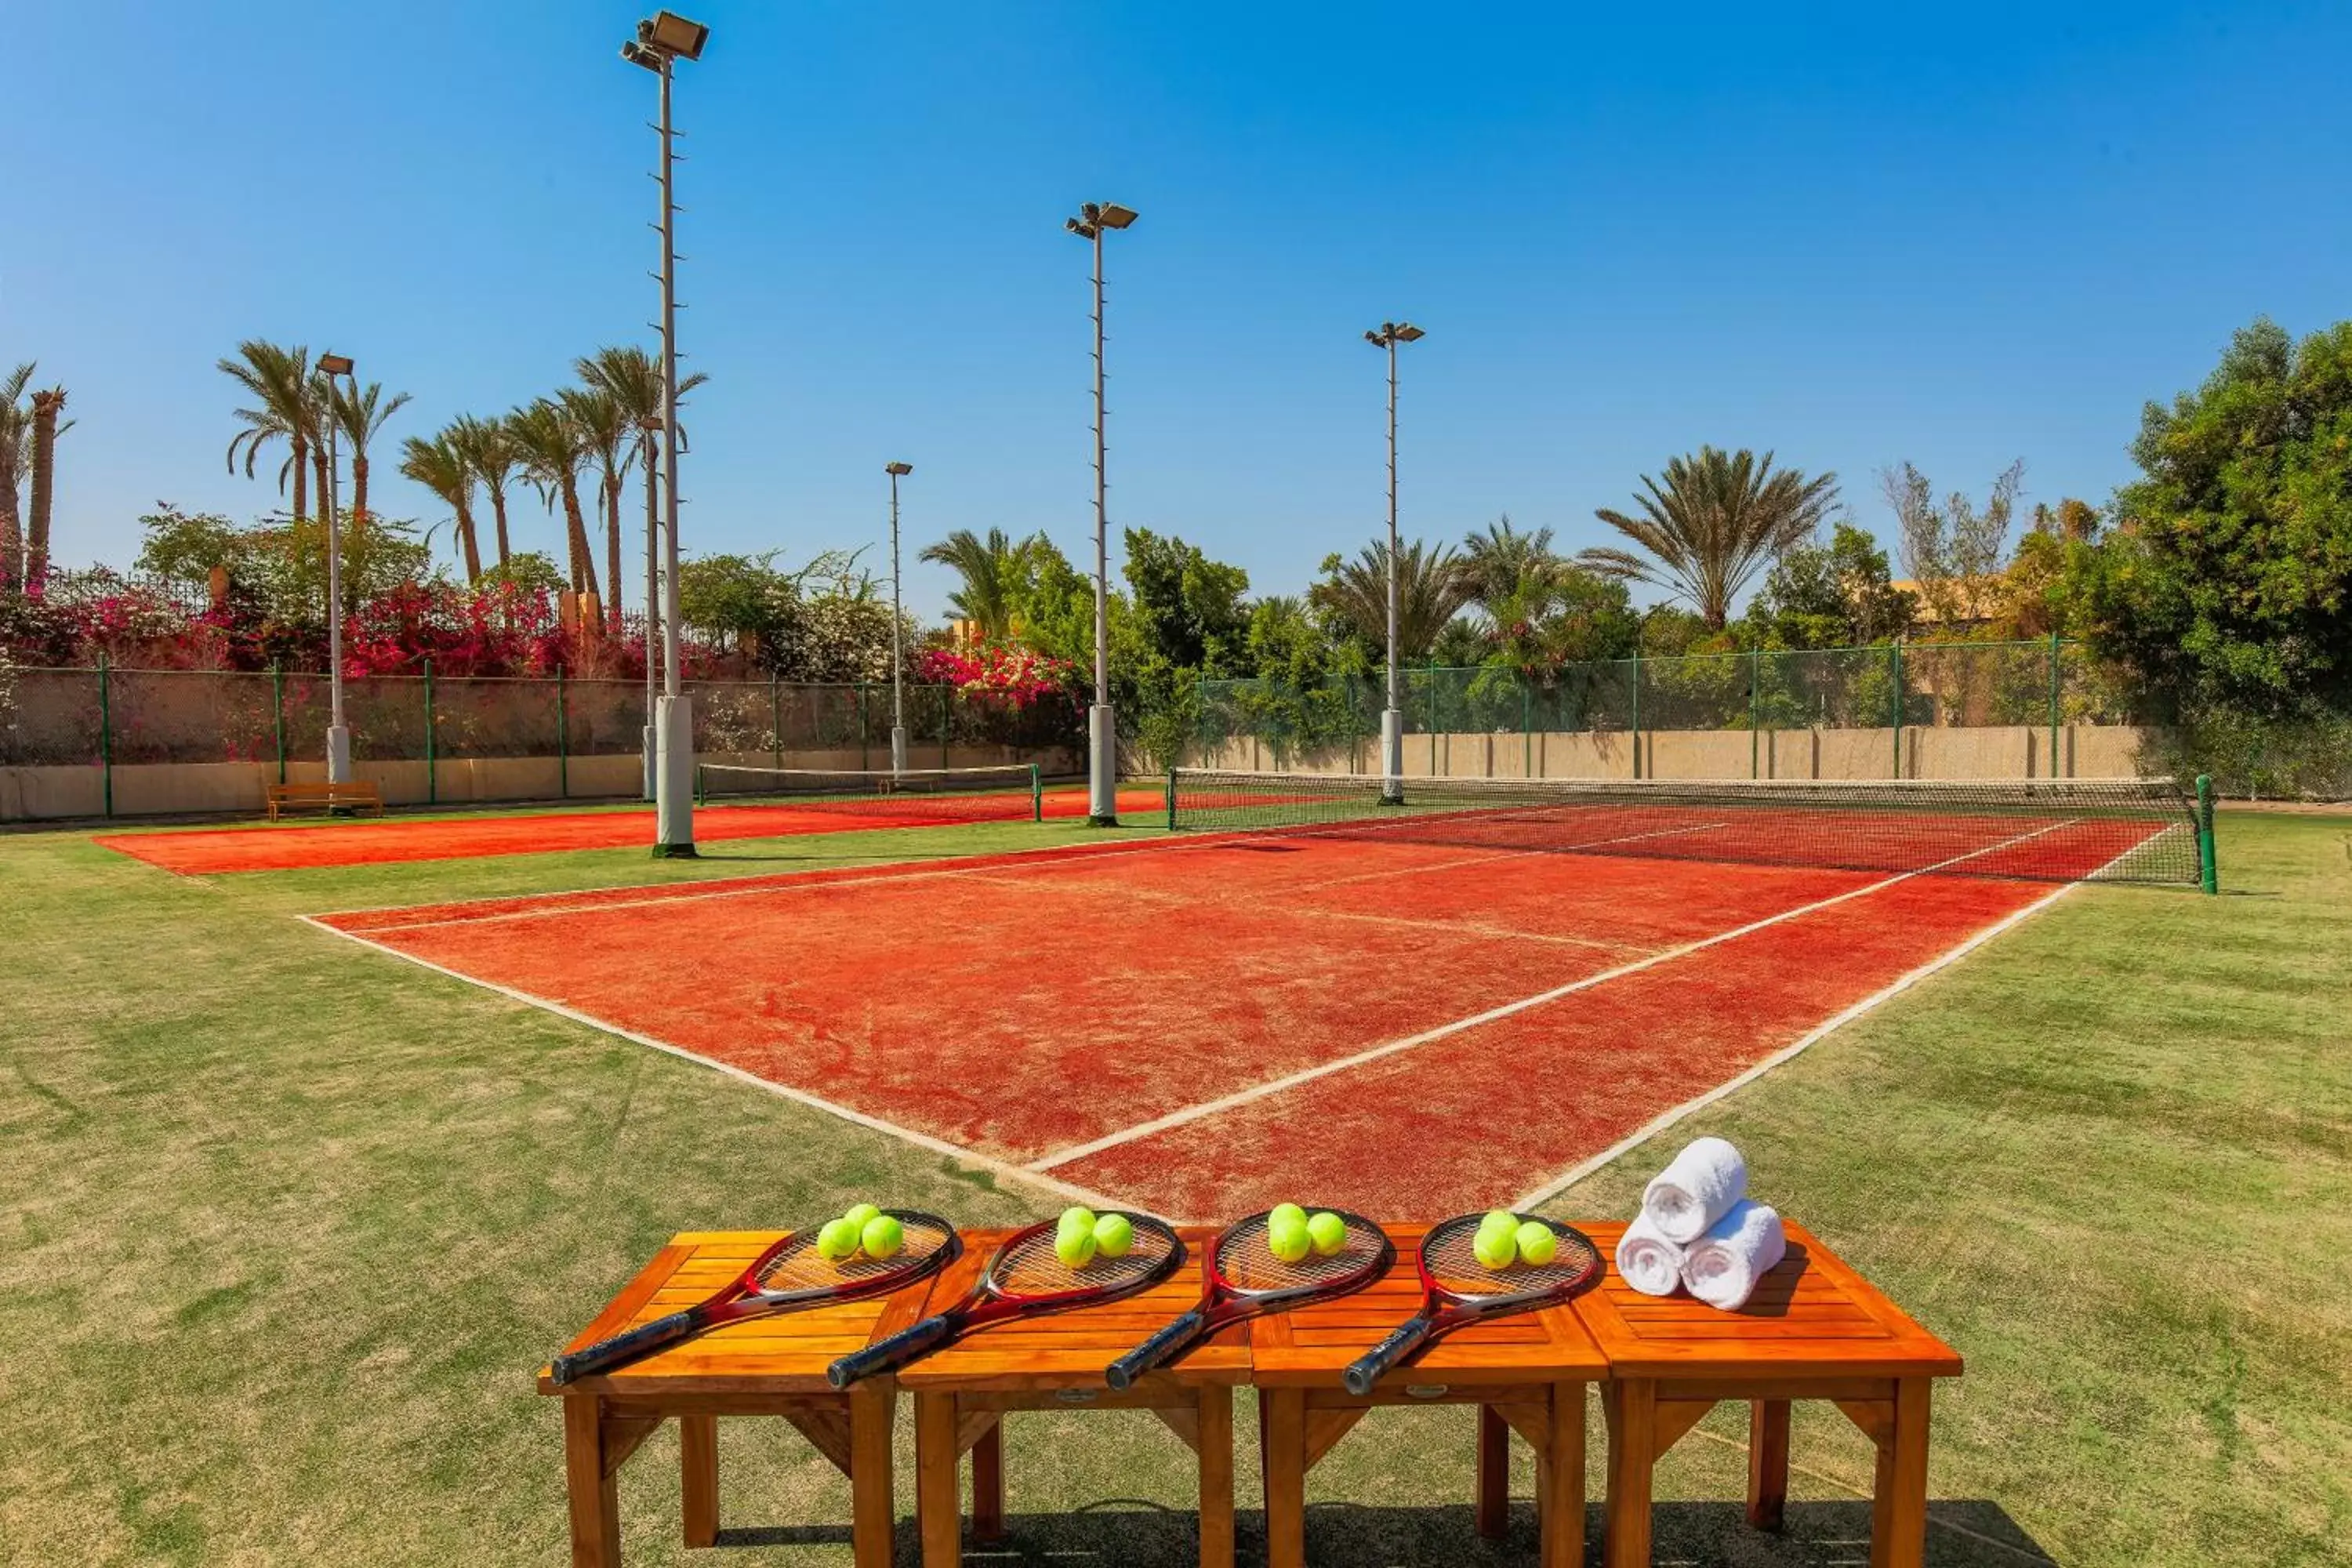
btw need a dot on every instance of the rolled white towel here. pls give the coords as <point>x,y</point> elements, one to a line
<point>1721,1267</point>
<point>1650,1263</point>
<point>1697,1189</point>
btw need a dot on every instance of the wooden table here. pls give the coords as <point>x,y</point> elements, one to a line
<point>1814,1330</point>
<point>962,1392</point>
<point>1526,1373</point>
<point>771,1366</point>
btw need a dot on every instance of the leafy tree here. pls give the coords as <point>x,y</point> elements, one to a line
<point>529,570</point>
<point>2227,579</point>
<point>1953,551</point>
<point>1187,606</point>
<point>1839,595</point>
<point>1716,521</point>
<point>992,570</point>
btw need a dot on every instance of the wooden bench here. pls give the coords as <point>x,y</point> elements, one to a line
<point>963,1392</point>
<point>1814,1330</point>
<point>1526,1373</point>
<point>770,1366</point>
<point>355,795</point>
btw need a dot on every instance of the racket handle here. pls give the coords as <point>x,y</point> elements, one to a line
<point>643,1340</point>
<point>1368,1368</point>
<point>1172,1340</point>
<point>884,1355</point>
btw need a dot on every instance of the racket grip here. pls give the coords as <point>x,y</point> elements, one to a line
<point>884,1355</point>
<point>1368,1368</point>
<point>1172,1340</point>
<point>643,1340</point>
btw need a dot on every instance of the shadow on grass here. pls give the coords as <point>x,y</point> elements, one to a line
<point>1960,1534</point>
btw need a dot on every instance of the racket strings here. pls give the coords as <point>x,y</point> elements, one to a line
<point>799,1266</point>
<point>1450,1259</point>
<point>1247,1264</point>
<point>1029,1264</point>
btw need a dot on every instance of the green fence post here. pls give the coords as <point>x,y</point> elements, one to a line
<point>1429,706</point>
<point>2055,711</point>
<point>563,739</point>
<point>1755,689</point>
<point>105,736</point>
<point>2209,875</point>
<point>278,713</point>
<point>1637,711</point>
<point>432,762</point>
<point>1895,670</point>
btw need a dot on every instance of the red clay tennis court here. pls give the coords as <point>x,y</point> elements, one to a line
<point>207,851</point>
<point>1442,1007</point>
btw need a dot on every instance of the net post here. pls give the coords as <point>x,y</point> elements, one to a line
<point>2209,876</point>
<point>563,739</point>
<point>1172,799</point>
<point>106,734</point>
<point>1036,793</point>
<point>1755,683</point>
<point>1637,710</point>
<point>2054,704</point>
<point>277,712</point>
<point>432,762</point>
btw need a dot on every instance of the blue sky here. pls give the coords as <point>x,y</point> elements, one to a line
<point>1855,235</point>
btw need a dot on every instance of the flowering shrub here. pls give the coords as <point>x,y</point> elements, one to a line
<point>1017,674</point>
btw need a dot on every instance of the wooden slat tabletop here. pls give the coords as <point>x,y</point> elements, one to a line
<point>1312,1345</point>
<point>786,1353</point>
<point>1811,1316</point>
<point>1070,1349</point>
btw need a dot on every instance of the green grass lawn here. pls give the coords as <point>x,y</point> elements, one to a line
<point>286,1226</point>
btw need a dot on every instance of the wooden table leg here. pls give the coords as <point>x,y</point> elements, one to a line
<point>873,1505</point>
<point>1898,1506</point>
<point>1285,1416</point>
<point>938,1513</point>
<point>1562,1493</point>
<point>1768,1462</point>
<point>988,1485</point>
<point>1492,1514</point>
<point>594,1489</point>
<point>1214,1415</point>
<point>697,1467</point>
<point>1632,1442</point>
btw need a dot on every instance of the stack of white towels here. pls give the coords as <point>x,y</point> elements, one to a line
<point>1698,1229</point>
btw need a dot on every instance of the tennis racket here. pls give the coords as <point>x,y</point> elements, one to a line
<point>1456,1289</point>
<point>1024,1279</point>
<point>1241,1278</point>
<point>788,1276</point>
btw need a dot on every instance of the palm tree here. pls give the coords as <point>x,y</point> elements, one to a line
<point>1718,519</point>
<point>550,453</point>
<point>15,461</point>
<point>1431,588</point>
<point>992,569</point>
<point>360,418</point>
<point>278,381</point>
<point>606,432</point>
<point>632,377</point>
<point>1506,567</point>
<point>439,467</point>
<point>487,447</point>
<point>45,408</point>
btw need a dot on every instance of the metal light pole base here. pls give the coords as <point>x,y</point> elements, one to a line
<point>652,763</point>
<point>1102,767</point>
<point>897,749</point>
<point>674,778</point>
<point>1392,756</point>
<point>339,754</point>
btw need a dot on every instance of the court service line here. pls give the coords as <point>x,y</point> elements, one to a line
<point>1258,1091</point>
<point>955,1152</point>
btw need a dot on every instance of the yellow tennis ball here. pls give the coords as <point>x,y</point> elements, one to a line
<point>1539,1243</point>
<point>1078,1216</point>
<point>1328,1232</point>
<point>1496,1248</point>
<point>1114,1233</point>
<point>1281,1214</point>
<point>882,1238</point>
<point>838,1240</point>
<point>1500,1219</point>
<point>1288,1240</point>
<point>1076,1248</point>
<point>858,1214</point>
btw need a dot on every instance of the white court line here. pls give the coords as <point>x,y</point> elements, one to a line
<point>955,1152</point>
<point>1324,1069</point>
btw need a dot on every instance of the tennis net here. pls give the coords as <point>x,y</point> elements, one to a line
<point>1013,793</point>
<point>2060,830</point>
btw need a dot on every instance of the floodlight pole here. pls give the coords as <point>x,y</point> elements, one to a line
<point>1102,726</point>
<point>651,746</point>
<point>897,618</point>
<point>338,734</point>
<point>1389,334</point>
